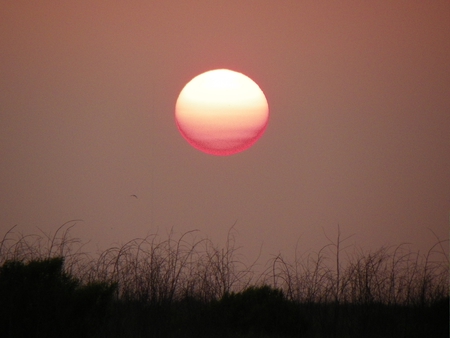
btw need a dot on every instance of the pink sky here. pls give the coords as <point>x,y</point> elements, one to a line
<point>359,131</point>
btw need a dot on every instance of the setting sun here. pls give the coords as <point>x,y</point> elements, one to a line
<point>221,112</point>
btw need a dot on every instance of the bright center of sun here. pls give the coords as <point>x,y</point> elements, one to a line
<point>221,112</point>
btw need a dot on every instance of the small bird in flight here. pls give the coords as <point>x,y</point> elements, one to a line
<point>133,196</point>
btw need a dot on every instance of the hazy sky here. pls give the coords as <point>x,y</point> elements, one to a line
<point>359,129</point>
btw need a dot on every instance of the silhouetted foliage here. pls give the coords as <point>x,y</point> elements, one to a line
<point>260,311</point>
<point>192,288</point>
<point>38,299</point>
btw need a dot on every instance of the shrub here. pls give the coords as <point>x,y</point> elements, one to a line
<point>38,299</point>
<point>260,310</point>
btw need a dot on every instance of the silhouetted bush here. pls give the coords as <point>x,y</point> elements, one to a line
<point>38,299</point>
<point>260,311</point>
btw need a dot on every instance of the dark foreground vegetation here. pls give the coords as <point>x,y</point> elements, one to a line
<point>186,287</point>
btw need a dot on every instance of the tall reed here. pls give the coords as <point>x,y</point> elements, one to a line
<point>157,270</point>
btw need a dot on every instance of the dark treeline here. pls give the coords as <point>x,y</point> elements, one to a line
<point>188,287</point>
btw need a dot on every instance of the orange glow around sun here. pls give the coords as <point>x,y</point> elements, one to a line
<point>221,112</point>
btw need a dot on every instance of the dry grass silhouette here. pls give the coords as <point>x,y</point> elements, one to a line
<point>187,281</point>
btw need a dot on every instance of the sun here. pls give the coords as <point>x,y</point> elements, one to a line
<point>221,112</point>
